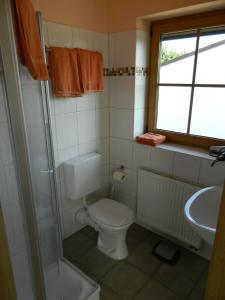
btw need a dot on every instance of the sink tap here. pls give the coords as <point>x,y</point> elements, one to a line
<point>220,157</point>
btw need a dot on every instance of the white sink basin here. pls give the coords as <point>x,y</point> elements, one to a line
<point>201,211</point>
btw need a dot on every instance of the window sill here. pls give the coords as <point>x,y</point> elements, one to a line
<point>194,151</point>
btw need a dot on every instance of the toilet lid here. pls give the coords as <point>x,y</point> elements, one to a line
<point>111,212</point>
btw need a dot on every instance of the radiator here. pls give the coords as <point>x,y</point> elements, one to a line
<point>160,205</point>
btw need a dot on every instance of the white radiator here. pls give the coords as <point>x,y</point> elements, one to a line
<point>160,204</point>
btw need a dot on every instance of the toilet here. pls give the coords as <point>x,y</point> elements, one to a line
<point>110,218</point>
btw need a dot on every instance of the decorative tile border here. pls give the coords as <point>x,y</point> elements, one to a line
<point>126,71</point>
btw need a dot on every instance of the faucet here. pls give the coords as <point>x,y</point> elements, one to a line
<point>219,157</point>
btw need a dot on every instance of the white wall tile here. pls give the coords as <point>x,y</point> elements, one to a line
<point>62,156</point>
<point>64,105</point>
<point>86,102</point>
<point>121,123</point>
<point>122,92</point>
<point>119,43</point>
<point>211,175</point>
<point>102,123</point>
<point>105,176</point>
<point>142,48</point>
<point>128,200</point>
<point>103,149</point>
<point>102,99</point>
<point>121,152</point>
<point>59,35</point>
<point>86,126</point>
<point>141,156</point>
<point>139,122</point>
<point>101,44</point>
<point>141,92</point>
<point>2,104</point>
<point>83,38</point>
<point>66,128</point>
<point>162,160</point>
<point>186,167</point>
<point>69,224</point>
<point>87,147</point>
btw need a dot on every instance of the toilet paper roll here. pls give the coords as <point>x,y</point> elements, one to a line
<point>119,176</point>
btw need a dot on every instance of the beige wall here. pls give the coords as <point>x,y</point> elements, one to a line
<point>110,15</point>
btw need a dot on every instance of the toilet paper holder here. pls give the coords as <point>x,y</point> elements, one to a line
<point>119,174</point>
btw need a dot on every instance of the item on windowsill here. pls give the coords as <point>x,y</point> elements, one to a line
<point>152,139</point>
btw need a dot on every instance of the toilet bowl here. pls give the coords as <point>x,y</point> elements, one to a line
<point>111,219</point>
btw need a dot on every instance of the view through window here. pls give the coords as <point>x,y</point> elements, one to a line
<point>191,83</point>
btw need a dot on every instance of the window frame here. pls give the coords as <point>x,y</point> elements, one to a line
<point>197,21</point>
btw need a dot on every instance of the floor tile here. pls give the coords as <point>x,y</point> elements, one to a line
<point>97,263</point>
<point>177,278</point>
<point>108,294</point>
<point>90,232</point>
<point>143,258</point>
<point>195,296</point>
<point>86,271</point>
<point>76,246</point>
<point>125,280</point>
<point>153,290</point>
<point>193,262</point>
<point>138,233</point>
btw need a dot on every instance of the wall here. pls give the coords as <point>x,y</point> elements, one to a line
<point>128,96</point>
<point>112,15</point>
<point>86,14</point>
<point>80,125</point>
<point>10,203</point>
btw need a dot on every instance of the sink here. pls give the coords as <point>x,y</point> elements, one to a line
<point>202,210</point>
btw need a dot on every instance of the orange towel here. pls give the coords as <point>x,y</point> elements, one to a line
<point>28,38</point>
<point>64,72</point>
<point>152,139</point>
<point>91,70</point>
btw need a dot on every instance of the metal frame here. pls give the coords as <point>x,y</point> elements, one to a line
<point>49,139</point>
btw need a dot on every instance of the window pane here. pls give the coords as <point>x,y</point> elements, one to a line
<point>208,113</point>
<point>211,59</point>
<point>177,59</point>
<point>173,108</point>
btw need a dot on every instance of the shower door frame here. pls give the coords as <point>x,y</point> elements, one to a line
<point>17,123</point>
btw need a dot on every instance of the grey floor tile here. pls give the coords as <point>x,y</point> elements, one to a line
<point>143,258</point>
<point>183,276</point>
<point>77,245</point>
<point>193,262</point>
<point>195,296</point>
<point>86,271</point>
<point>90,232</point>
<point>125,280</point>
<point>108,294</point>
<point>153,290</point>
<point>177,278</point>
<point>138,233</point>
<point>97,263</point>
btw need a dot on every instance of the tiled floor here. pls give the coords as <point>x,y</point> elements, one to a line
<point>141,276</point>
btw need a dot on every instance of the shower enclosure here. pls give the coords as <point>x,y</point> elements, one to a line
<point>28,195</point>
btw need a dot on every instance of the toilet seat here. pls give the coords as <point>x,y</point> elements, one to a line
<point>111,213</point>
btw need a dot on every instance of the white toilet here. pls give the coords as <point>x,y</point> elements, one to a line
<point>110,218</point>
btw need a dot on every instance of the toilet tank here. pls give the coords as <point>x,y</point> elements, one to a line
<point>82,175</point>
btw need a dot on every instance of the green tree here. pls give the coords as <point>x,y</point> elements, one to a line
<point>169,54</point>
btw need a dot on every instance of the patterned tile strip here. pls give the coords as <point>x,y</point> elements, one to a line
<point>126,71</point>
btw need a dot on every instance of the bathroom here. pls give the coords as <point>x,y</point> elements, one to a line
<point>40,132</point>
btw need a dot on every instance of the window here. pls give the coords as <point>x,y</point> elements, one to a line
<point>187,79</point>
